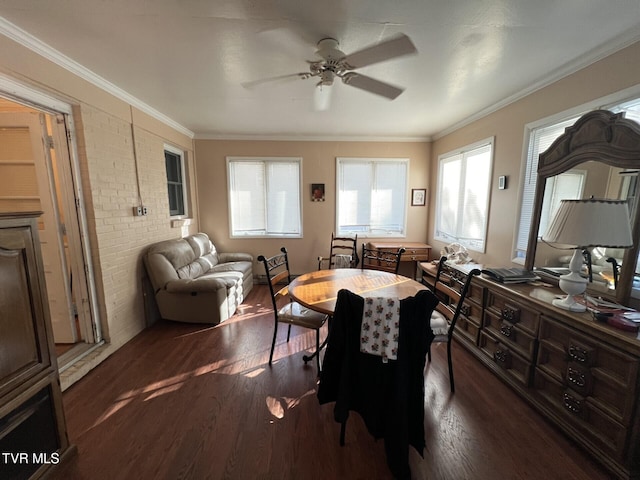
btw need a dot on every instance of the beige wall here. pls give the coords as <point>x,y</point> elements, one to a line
<point>612,74</point>
<point>318,166</point>
<point>106,156</point>
<point>109,165</point>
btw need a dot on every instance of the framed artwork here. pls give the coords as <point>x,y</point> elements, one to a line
<point>317,192</point>
<point>418,197</point>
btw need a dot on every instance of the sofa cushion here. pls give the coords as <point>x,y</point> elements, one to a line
<point>203,248</point>
<point>206,283</point>
<point>178,252</point>
<point>243,267</point>
<point>192,270</point>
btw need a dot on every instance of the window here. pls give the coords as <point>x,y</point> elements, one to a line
<point>175,180</point>
<point>264,196</point>
<point>567,185</point>
<point>372,196</point>
<point>462,202</point>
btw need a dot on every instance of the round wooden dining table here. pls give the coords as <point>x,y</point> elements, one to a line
<point>319,290</point>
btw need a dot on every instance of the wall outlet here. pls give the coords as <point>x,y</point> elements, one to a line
<point>144,210</point>
<point>137,211</point>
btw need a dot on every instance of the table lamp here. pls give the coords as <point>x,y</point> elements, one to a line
<point>579,224</point>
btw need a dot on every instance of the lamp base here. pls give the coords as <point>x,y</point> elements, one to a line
<point>569,303</point>
<point>572,284</point>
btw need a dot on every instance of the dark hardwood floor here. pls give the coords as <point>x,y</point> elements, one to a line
<point>199,402</point>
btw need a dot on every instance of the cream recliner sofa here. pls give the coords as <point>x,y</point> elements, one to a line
<point>194,283</point>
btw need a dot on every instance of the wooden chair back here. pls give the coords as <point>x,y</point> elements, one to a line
<point>340,248</point>
<point>277,272</point>
<point>375,259</point>
<point>451,293</point>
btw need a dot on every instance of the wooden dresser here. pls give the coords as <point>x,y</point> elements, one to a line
<point>581,374</point>
<point>33,436</point>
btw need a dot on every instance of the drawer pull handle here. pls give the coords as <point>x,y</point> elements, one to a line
<point>500,356</point>
<point>465,310</point>
<point>578,354</point>
<point>511,314</point>
<point>577,378</point>
<point>506,330</point>
<point>572,404</point>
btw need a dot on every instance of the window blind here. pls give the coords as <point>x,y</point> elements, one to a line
<point>463,196</point>
<point>371,196</point>
<point>264,197</point>
<point>540,140</point>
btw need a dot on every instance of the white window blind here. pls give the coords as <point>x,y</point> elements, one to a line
<point>264,196</point>
<point>371,196</point>
<point>540,140</point>
<point>568,185</point>
<point>463,196</point>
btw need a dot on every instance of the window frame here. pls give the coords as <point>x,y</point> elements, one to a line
<point>264,159</point>
<point>405,192</point>
<point>487,142</point>
<point>181,154</point>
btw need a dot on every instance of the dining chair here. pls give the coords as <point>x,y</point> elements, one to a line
<point>343,253</point>
<point>375,259</point>
<point>383,383</point>
<point>451,293</point>
<point>291,313</point>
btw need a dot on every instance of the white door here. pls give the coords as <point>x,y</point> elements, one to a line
<point>27,183</point>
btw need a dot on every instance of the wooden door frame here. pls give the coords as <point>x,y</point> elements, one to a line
<point>64,138</point>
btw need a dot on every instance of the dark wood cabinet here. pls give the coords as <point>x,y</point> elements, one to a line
<point>581,374</point>
<point>33,437</point>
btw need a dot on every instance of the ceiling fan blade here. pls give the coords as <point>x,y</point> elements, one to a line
<point>395,47</point>
<point>278,78</point>
<point>371,85</point>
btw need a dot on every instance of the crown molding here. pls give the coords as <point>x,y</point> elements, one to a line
<point>618,43</point>
<point>310,138</point>
<point>27,40</point>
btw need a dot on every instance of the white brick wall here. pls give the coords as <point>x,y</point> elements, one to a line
<point>118,238</point>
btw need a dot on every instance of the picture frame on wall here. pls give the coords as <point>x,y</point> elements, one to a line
<point>317,192</point>
<point>418,197</point>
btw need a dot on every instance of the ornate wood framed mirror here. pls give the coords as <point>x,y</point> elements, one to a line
<point>604,148</point>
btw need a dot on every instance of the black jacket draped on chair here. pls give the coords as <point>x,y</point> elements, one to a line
<point>388,396</point>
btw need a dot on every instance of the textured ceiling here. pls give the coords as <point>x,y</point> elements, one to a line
<point>189,60</point>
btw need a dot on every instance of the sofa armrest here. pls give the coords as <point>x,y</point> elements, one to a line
<point>203,284</point>
<point>234,257</point>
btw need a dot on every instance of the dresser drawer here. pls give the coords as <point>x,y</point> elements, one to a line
<point>472,311</point>
<point>604,375</point>
<point>515,365</point>
<point>581,413</point>
<point>467,329</point>
<point>415,255</point>
<point>511,334</point>
<point>513,312</point>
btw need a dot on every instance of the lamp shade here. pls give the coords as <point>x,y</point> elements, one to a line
<point>590,222</point>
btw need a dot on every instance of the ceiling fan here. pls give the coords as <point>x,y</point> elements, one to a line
<point>334,64</point>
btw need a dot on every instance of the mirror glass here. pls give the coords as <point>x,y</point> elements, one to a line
<point>599,156</point>
<point>591,178</point>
